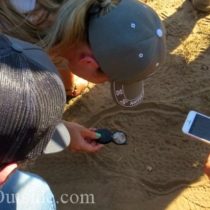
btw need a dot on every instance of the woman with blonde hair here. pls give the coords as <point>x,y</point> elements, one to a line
<point>61,22</point>
<point>34,21</point>
<point>121,41</point>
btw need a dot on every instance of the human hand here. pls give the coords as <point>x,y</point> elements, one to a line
<point>82,139</point>
<point>207,166</point>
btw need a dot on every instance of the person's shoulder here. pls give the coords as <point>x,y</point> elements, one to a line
<point>26,181</point>
<point>31,178</point>
<point>29,191</point>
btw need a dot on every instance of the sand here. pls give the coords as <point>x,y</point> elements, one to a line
<point>160,168</point>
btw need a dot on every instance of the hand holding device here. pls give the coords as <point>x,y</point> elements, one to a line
<point>107,136</point>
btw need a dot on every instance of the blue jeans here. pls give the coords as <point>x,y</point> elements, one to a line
<point>26,191</point>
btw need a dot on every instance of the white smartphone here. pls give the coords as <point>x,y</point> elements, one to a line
<point>197,125</point>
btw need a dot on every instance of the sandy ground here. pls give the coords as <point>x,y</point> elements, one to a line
<point>160,168</point>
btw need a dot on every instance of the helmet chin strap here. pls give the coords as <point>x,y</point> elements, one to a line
<point>6,171</point>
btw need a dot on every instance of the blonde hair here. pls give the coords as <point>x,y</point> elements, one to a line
<point>68,29</point>
<point>19,25</point>
<point>71,24</point>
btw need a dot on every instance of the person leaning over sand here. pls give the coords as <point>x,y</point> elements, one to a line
<point>118,41</point>
<point>31,105</point>
<point>33,19</point>
<point>39,14</point>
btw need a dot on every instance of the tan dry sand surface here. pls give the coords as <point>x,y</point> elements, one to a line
<point>160,168</point>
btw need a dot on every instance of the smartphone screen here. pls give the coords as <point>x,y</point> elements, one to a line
<point>201,127</point>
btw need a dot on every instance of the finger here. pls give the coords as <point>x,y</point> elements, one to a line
<point>207,170</point>
<point>208,159</point>
<point>91,141</point>
<point>93,147</point>
<point>82,148</point>
<point>207,166</point>
<point>96,147</point>
<point>88,140</point>
<point>95,143</point>
<point>87,133</point>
